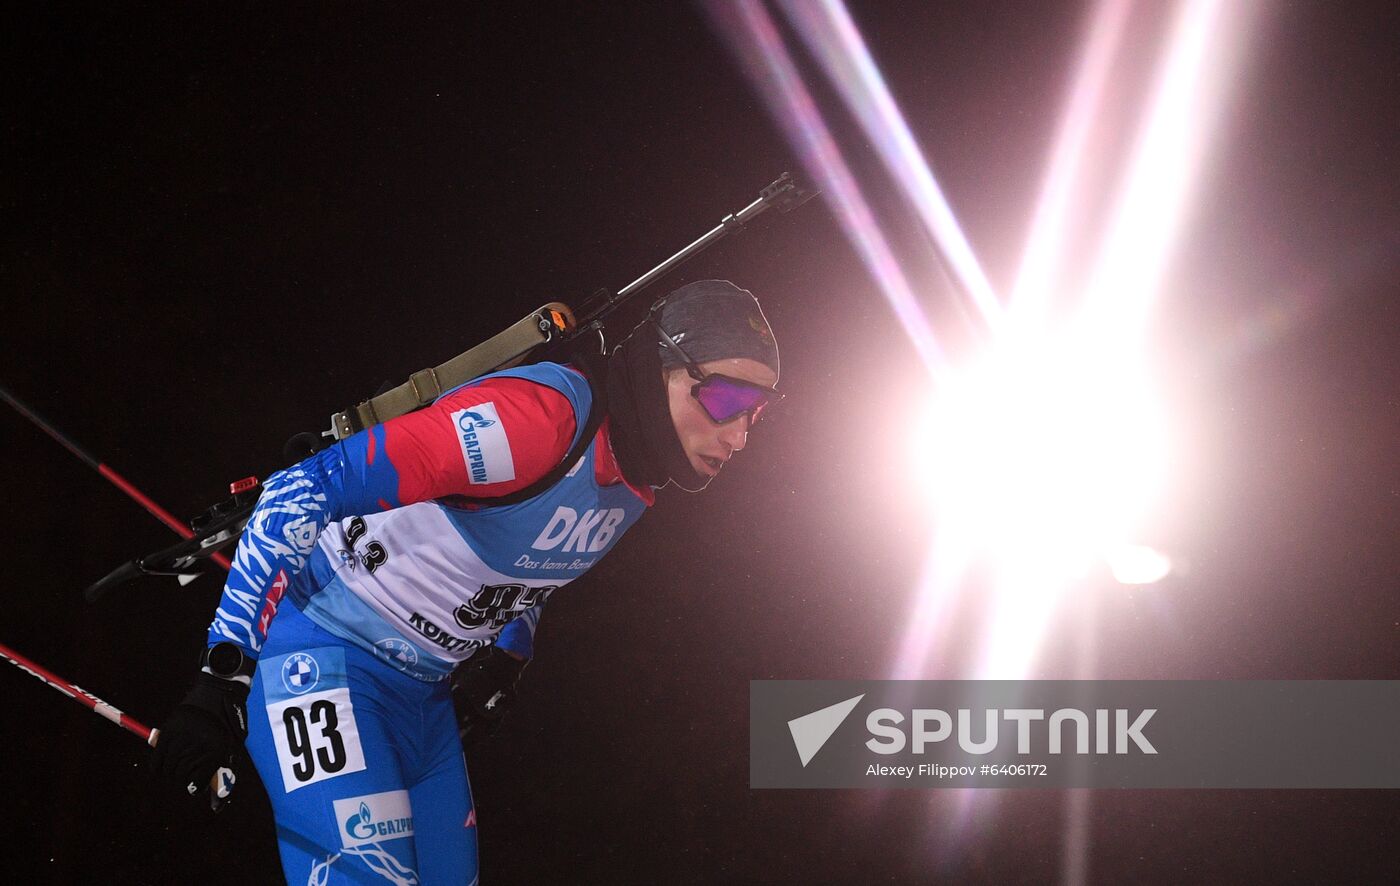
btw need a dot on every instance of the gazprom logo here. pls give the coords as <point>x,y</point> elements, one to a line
<point>373,818</point>
<point>472,420</point>
<point>468,424</point>
<point>360,826</point>
<point>485,449</point>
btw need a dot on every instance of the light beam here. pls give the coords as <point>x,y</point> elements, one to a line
<point>754,38</point>
<point>831,36</point>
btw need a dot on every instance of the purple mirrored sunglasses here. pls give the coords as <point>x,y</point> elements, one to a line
<point>723,397</point>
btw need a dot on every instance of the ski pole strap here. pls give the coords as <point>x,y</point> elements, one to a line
<point>501,351</point>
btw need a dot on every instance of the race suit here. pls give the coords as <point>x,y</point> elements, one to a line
<point>393,579</point>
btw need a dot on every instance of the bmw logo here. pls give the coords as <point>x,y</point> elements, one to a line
<point>300,673</point>
<point>400,653</point>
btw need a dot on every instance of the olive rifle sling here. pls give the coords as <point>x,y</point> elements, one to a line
<point>501,351</point>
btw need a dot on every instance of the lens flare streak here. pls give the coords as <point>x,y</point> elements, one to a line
<point>1165,164</point>
<point>831,36</point>
<point>754,38</point>
<point>1048,227</point>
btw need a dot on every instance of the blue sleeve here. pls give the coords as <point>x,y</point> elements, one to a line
<point>342,481</point>
<point>518,636</point>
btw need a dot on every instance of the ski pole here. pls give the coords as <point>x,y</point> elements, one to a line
<point>80,695</point>
<point>219,787</point>
<point>107,471</point>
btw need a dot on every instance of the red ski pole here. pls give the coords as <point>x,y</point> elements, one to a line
<point>80,695</point>
<point>107,471</point>
<point>219,786</point>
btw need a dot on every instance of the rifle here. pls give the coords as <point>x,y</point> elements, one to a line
<point>552,324</point>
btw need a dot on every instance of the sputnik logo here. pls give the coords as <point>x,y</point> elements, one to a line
<point>811,731</point>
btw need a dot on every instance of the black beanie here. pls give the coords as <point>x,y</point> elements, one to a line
<point>715,320</point>
<point>710,320</point>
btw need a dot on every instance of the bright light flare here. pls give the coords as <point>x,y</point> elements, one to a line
<point>1138,564</point>
<point>1043,458</point>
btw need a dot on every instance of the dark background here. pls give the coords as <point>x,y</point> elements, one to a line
<point>225,223</point>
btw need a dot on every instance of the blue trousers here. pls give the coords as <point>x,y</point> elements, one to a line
<point>362,763</point>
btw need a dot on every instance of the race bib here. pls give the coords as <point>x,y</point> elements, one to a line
<point>312,719</point>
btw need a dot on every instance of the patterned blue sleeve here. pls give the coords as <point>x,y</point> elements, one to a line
<point>297,503</point>
<point>518,636</point>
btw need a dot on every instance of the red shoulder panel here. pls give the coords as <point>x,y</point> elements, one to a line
<point>490,439</point>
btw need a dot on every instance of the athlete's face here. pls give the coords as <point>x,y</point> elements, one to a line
<point>708,445</point>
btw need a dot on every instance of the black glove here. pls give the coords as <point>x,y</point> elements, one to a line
<point>483,689</point>
<point>202,733</point>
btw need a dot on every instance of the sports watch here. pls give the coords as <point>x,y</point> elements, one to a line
<point>228,662</point>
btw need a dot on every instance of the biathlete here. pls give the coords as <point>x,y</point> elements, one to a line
<point>385,591</point>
